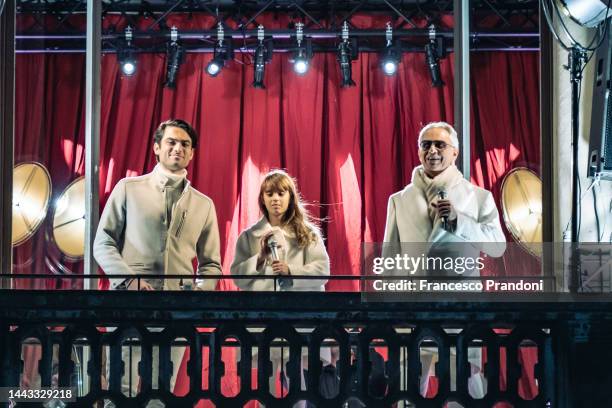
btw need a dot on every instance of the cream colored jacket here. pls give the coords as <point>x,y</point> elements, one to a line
<point>478,230</point>
<point>132,237</point>
<point>477,218</point>
<point>312,260</point>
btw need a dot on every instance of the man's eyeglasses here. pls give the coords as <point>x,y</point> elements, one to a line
<point>440,145</point>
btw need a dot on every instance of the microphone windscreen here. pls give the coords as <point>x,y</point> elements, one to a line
<point>272,242</point>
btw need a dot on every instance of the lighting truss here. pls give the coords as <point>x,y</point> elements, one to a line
<point>497,24</point>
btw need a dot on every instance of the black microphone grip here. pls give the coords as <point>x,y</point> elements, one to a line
<point>442,196</point>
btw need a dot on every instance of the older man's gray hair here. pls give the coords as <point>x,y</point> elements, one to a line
<point>443,125</point>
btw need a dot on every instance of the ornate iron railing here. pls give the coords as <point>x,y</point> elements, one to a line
<point>381,349</point>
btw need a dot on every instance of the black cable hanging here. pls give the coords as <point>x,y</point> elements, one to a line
<point>577,60</point>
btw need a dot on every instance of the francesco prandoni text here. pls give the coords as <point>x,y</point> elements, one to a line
<point>423,285</point>
<point>404,264</point>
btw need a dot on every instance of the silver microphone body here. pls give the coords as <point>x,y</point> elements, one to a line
<point>283,282</point>
<point>273,247</point>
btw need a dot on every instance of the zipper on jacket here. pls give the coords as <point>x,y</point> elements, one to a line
<point>181,223</point>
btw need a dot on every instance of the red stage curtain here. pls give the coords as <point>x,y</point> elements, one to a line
<point>349,149</point>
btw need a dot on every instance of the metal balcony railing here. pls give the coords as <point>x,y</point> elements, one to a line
<point>335,350</point>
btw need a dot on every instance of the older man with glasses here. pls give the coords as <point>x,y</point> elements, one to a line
<point>440,205</point>
<point>452,217</point>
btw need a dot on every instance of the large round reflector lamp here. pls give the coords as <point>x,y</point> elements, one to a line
<point>522,208</point>
<point>31,195</point>
<point>588,13</point>
<point>69,220</point>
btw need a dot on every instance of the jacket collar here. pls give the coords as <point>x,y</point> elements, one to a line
<point>261,227</point>
<point>162,179</point>
<point>450,177</point>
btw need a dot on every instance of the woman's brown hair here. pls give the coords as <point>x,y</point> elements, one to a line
<point>296,216</point>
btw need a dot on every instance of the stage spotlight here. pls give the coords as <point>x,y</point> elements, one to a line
<point>346,54</point>
<point>433,65</point>
<point>214,66</point>
<point>391,56</point>
<point>128,68</point>
<point>127,62</point>
<point>174,57</point>
<point>300,65</point>
<point>433,52</point>
<point>125,55</point>
<point>389,67</point>
<point>260,67</point>
<point>303,54</point>
<point>223,52</point>
<point>344,59</point>
<point>263,55</point>
<point>588,13</point>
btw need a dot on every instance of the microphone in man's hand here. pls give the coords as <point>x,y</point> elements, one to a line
<point>442,196</point>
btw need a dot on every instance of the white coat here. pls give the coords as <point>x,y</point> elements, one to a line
<point>477,225</point>
<point>311,260</point>
<point>133,239</point>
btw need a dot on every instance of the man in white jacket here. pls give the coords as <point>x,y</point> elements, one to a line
<point>441,207</point>
<point>157,224</point>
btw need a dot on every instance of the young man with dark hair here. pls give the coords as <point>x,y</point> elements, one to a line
<point>156,224</point>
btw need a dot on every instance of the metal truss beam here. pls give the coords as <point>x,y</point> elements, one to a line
<point>324,40</point>
<point>226,6</point>
<point>314,13</point>
<point>495,25</point>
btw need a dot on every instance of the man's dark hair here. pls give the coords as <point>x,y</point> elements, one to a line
<point>179,123</point>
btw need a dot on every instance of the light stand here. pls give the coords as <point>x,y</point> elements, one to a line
<point>575,65</point>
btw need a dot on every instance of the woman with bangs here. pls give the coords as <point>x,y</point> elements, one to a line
<point>288,226</point>
<point>299,251</point>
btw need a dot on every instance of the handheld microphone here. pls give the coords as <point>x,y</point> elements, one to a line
<point>442,196</point>
<point>273,247</point>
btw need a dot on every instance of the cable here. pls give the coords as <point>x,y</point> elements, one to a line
<point>571,37</point>
<point>582,195</point>
<point>565,29</point>
<point>582,55</point>
<point>601,227</point>
<point>2,3</point>
<point>551,26</point>
<point>553,30</point>
<point>567,33</point>
<point>244,50</point>
<point>575,165</point>
<point>579,212</point>
<point>585,64</point>
<point>610,209</point>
